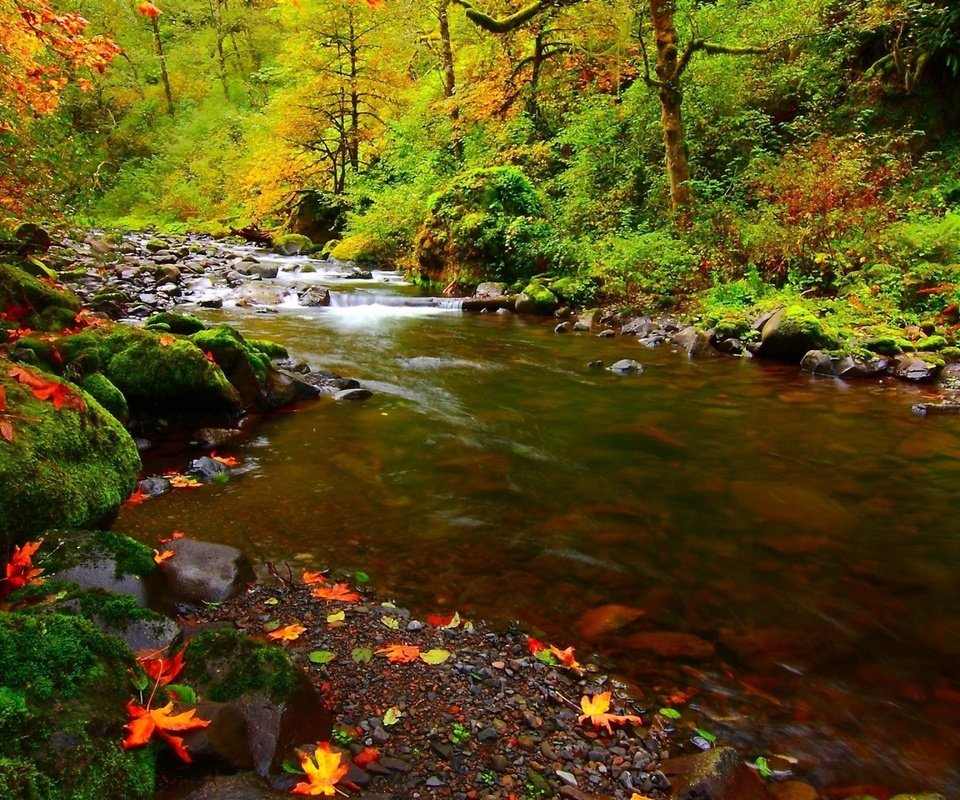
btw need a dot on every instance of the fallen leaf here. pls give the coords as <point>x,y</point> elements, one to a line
<point>361,655</point>
<point>313,577</point>
<point>184,482</point>
<point>61,395</point>
<point>166,340</point>
<point>535,645</point>
<point>392,716</point>
<point>20,570</point>
<point>6,429</point>
<point>323,770</point>
<point>435,656</point>
<point>595,709</point>
<point>137,498</point>
<point>159,557</point>
<point>391,622</point>
<point>400,653</point>
<point>339,592</point>
<point>288,633</point>
<point>170,538</point>
<point>336,616</point>
<point>361,577</point>
<point>366,756</point>
<point>565,657</point>
<point>272,601</point>
<point>144,722</point>
<point>227,461</point>
<point>161,670</point>
<point>321,657</point>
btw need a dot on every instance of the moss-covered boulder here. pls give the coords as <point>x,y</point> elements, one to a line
<point>43,305</point>
<point>245,366</point>
<point>98,386</point>
<point>70,466</point>
<point>536,299</point>
<point>488,223</point>
<point>185,324</point>
<point>291,244</point>
<point>791,333</point>
<point>153,371</point>
<point>270,349</point>
<point>63,689</point>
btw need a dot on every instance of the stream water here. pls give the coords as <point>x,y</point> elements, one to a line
<point>803,527</point>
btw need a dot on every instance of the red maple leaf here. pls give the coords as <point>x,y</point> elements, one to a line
<point>20,570</point>
<point>161,670</point>
<point>61,395</point>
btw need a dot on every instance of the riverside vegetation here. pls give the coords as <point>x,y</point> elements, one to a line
<point>784,175</point>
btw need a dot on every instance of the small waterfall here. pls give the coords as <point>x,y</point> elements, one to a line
<point>353,299</point>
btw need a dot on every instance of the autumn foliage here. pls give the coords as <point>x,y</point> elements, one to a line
<point>145,722</point>
<point>20,569</point>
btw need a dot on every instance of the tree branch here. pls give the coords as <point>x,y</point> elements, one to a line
<point>513,21</point>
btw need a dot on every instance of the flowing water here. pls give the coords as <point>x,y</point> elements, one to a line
<point>803,527</point>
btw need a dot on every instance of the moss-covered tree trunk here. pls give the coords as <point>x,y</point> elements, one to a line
<point>669,92</point>
<point>158,43</point>
<point>449,76</point>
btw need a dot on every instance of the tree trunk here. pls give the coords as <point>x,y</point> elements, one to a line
<point>671,114</point>
<point>163,64</point>
<point>353,140</point>
<point>449,77</point>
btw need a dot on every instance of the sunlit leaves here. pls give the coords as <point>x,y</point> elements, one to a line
<point>288,633</point>
<point>339,592</point>
<point>400,653</point>
<point>43,388</point>
<point>392,716</point>
<point>323,770</point>
<point>435,656</point>
<point>596,709</point>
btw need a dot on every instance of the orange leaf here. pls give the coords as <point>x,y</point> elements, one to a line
<point>565,657</point>
<point>595,709</point>
<point>184,482</point>
<point>170,538</point>
<point>313,577</point>
<point>160,557</point>
<point>6,429</point>
<point>161,670</point>
<point>367,756</point>
<point>287,634</point>
<point>61,395</point>
<point>148,9</point>
<point>535,645</point>
<point>323,769</point>
<point>20,570</point>
<point>338,592</point>
<point>400,653</point>
<point>144,722</point>
<point>137,497</point>
<point>209,356</point>
<point>227,461</point>
<point>166,340</point>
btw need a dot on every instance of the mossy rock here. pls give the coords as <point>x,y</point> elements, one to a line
<point>151,372</point>
<point>185,324</point>
<point>225,664</point>
<point>363,248</point>
<point>64,467</point>
<point>291,244</point>
<point>270,349</point>
<point>884,345</point>
<point>63,689</point>
<point>536,299</point>
<point>931,344</point>
<point>65,551</point>
<point>791,333</point>
<point>98,386</point>
<point>51,308</point>
<point>245,366</point>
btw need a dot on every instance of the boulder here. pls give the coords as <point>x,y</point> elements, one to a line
<point>68,467</point>
<point>236,787</point>
<point>259,294</point>
<point>718,774</point>
<point>201,572</point>
<point>639,326</point>
<point>262,271</point>
<point>35,304</point>
<point>818,362</point>
<point>32,239</point>
<point>626,366</point>
<point>917,368</point>
<point>792,332</point>
<point>291,244</point>
<point>536,299</point>
<point>353,394</point>
<point>315,296</point>
<point>185,324</point>
<point>694,343</point>
<point>490,289</point>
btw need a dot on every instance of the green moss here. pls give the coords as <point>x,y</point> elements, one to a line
<point>232,351</point>
<point>951,353</point>
<point>185,324</point>
<point>536,298</point>
<point>931,343</point>
<point>291,243</point>
<point>227,664</point>
<point>64,467</point>
<point>268,348</point>
<point>69,684</point>
<point>884,345</point>
<point>98,386</point>
<point>51,307</point>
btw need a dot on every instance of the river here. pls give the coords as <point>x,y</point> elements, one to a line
<point>803,527</point>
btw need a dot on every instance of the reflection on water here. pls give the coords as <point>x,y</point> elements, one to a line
<point>801,529</point>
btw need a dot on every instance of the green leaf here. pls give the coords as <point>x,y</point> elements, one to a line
<point>140,682</point>
<point>670,713</point>
<point>361,655</point>
<point>388,604</point>
<point>391,622</point>
<point>454,620</point>
<point>547,657</point>
<point>272,625</point>
<point>322,656</point>
<point>271,601</point>
<point>361,577</point>
<point>706,735</point>
<point>763,767</point>
<point>392,717</point>
<point>185,693</point>
<point>336,616</point>
<point>292,768</point>
<point>435,656</point>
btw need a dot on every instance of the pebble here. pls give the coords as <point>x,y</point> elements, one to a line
<point>567,777</point>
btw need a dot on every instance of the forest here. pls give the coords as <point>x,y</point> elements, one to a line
<point>650,152</point>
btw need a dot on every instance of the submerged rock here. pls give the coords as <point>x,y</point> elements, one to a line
<point>694,343</point>
<point>626,366</point>
<point>718,774</point>
<point>918,368</point>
